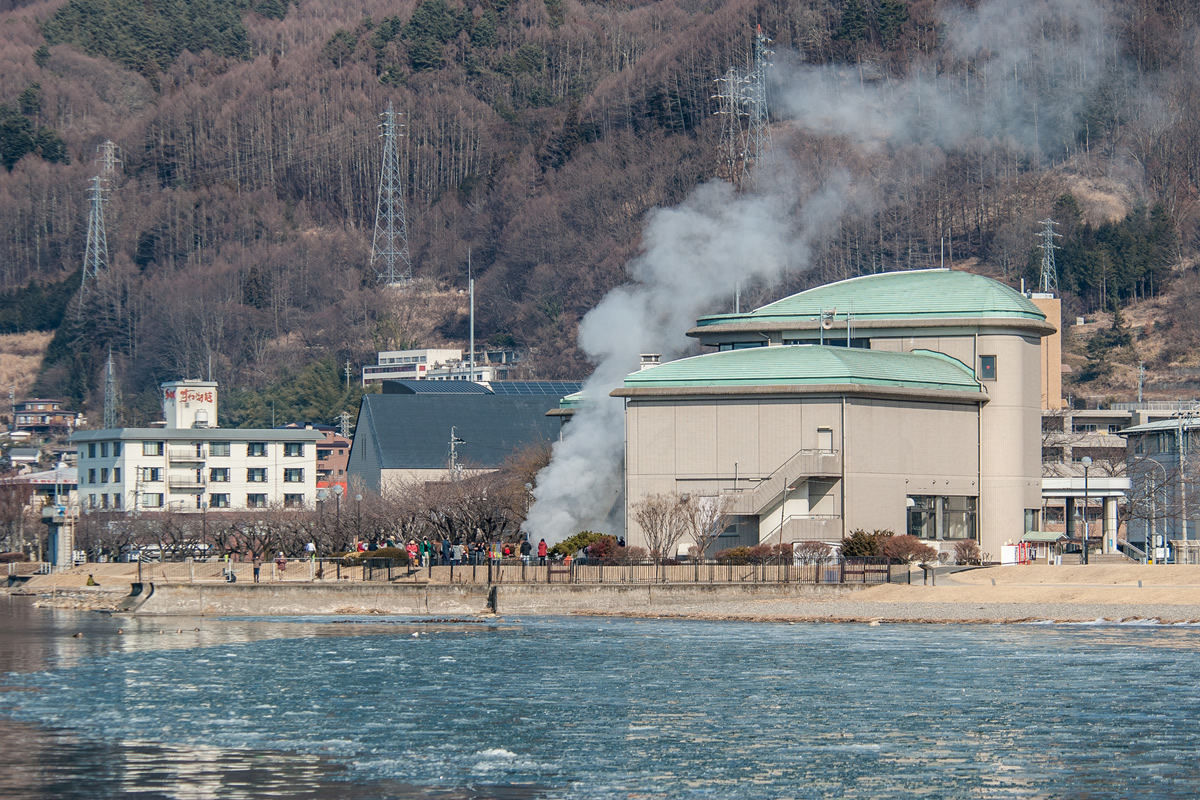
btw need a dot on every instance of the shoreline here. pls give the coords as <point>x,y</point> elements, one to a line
<point>1025,594</point>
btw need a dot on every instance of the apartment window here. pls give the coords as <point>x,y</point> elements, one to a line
<point>104,475</point>
<point>256,475</point>
<point>152,474</point>
<point>293,500</point>
<point>293,476</point>
<point>92,450</point>
<point>117,501</point>
<point>1083,427</point>
<point>152,500</point>
<point>293,449</point>
<point>104,501</point>
<point>91,501</point>
<point>116,449</point>
<point>218,475</point>
<point>256,501</point>
<point>322,455</point>
<point>987,368</point>
<point>91,476</point>
<point>116,474</point>
<point>104,449</point>
<point>218,449</point>
<point>152,448</point>
<point>256,449</point>
<point>218,501</point>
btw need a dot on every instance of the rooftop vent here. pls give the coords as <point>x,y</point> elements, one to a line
<point>650,360</point>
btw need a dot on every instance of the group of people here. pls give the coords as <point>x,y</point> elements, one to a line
<point>445,552</point>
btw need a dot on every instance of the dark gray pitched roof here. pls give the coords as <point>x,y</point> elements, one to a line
<point>433,387</point>
<point>412,431</point>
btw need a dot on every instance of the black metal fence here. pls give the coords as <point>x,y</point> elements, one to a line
<point>516,571</point>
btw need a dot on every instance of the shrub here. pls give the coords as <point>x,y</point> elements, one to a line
<point>604,549</point>
<point>967,552</point>
<point>861,544</point>
<point>812,552</point>
<point>908,549</point>
<point>568,547</point>
<point>8,558</point>
<point>397,554</point>
<point>758,554</point>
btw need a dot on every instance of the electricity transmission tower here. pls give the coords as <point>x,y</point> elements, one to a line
<point>1048,282</point>
<point>743,96</point>
<point>389,249</point>
<point>95,254</point>
<point>108,159</point>
<point>758,137</point>
<point>731,106</point>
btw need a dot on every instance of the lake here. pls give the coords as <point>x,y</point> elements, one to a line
<point>591,708</point>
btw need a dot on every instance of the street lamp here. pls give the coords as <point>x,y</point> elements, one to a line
<point>1087,464</point>
<point>1153,509</point>
<point>783,509</point>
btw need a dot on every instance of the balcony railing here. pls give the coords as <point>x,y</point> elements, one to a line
<point>185,482</point>
<point>185,454</point>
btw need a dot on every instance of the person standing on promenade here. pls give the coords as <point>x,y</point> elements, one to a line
<point>257,566</point>
<point>446,550</point>
<point>281,565</point>
<point>526,547</point>
<point>542,551</point>
<point>412,553</point>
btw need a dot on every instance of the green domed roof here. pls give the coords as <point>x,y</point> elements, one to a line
<point>909,296</point>
<point>810,365</point>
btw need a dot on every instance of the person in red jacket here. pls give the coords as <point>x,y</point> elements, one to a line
<point>542,550</point>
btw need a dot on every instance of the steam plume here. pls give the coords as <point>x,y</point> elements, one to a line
<point>1033,62</point>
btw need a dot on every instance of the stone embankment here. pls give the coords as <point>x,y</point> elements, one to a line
<point>996,594</point>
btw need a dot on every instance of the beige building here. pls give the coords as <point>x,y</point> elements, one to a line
<point>905,401</point>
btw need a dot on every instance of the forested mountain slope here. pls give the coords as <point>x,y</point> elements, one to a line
<point>540,134</point>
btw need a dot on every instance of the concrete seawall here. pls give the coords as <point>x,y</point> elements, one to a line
<point>440,599</point>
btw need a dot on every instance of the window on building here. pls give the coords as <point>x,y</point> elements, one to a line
<point>934,517</point>
<point>104,475</point>
<point>152,500</point>
<point>219,449</point>
<point>104,501</point>
<point>92,502</point>
<point>218,475</point>
<point>92,450</point>
<point>116,449</point>
<point>292,449</point>
<point>987,368</point>
<point>322,455</point>
<point>104,449</point>
<point>152,474</point>
<point>256,501</point>
<point>1032,519</point>
<point>152,448</point>
<point>293,500</point>
<point>116,474</point>
<point>218,501</point>
<point>1083,427</point>
<point>256,449</point>
<point>91,476</point>
<point>117,504</point>
<point>293,476</point>
<point>1139,446</point>
<point>256,475</point>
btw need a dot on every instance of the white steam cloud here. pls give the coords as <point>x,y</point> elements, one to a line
<point>1032,63</point>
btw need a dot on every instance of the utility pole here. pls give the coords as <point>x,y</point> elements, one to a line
<point>389,249</point>
<point>347,370</point>
<point>471,292</point>
<point>455,467</point>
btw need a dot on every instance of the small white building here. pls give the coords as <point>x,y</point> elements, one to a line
<point>439,365</point>
<point>189,464</point>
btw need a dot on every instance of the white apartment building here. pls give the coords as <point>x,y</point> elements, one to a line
<point>438,365</point>
<point>188,464</point>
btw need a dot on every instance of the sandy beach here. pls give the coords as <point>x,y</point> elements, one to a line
<point>1026,593</point>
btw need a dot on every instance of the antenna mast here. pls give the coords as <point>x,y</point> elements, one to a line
<point>389,249</point>
<point>1048,282</point>
<point>110,394</point>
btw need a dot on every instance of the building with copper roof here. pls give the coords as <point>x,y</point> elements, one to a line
<point>906,401</point>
